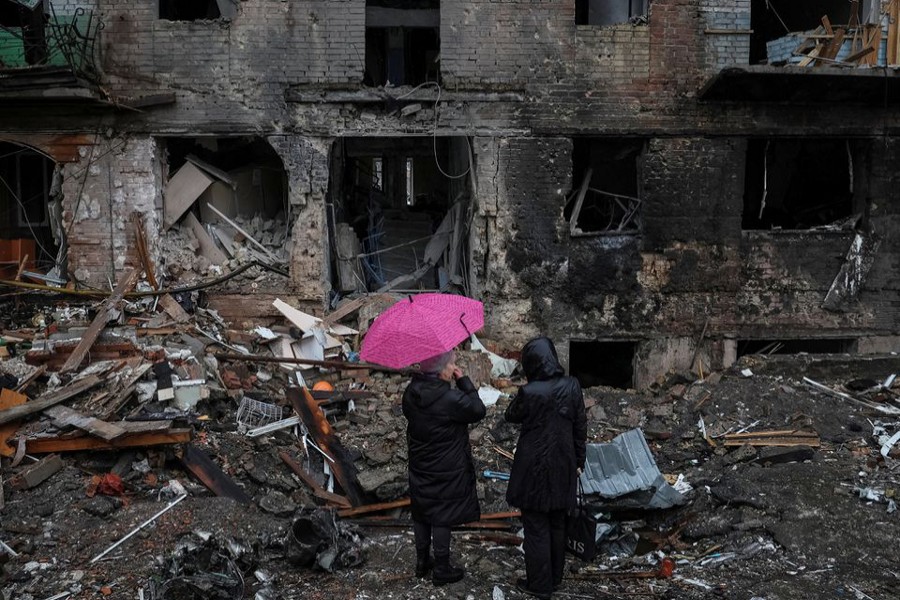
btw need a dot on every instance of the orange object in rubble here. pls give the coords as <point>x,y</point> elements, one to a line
<point>322,386</point>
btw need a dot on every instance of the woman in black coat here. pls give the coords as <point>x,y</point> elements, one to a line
<point>441,472</point>
<point>549,458</point>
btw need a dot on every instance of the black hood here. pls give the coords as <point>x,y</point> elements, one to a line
<point>540,361</point>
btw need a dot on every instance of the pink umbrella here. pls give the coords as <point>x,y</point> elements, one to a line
<point>419,327</point>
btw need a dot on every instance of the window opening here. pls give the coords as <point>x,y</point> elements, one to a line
<point>605,196</point>
<point>797,346</point>
<point>225,199</point>
<point>801,184</point>
<point>774,21</point>
<point>610,12</point>
<point>595,363</point>
<point>197,10</point>
<point>402,42</point>
<point>30,210</point>
<point>410,232</point>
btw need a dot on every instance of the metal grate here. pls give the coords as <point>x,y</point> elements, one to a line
<point>253,413</point>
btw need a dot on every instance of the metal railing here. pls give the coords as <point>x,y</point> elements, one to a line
<point>52,40</point>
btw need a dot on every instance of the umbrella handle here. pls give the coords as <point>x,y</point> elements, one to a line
<point>463,323</point>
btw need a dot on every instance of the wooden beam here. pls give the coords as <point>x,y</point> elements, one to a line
<point>208,472</point>
<point>207,246</point>
<point>893,38</point>
<point>64,416</point>
<point>579,202</point>
<point>126,283</point>
<point>86,442</point>
<point>322,434</point>
<point>9,399</point>
<point>47,400</point>
<point>35,474</point>
<point>309,480</point>
<point>370,508</point>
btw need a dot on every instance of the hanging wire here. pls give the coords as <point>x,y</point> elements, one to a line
<point>25,212</point>
<point>775,12</point>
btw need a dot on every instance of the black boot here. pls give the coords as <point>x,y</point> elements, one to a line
<point>424,564</point>
<point>444,572</point>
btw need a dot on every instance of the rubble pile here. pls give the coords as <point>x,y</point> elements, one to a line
<point>172,456</point>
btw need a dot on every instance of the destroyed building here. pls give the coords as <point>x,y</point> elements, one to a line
<point>628,177</point>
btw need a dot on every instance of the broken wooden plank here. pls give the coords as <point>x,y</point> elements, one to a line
<point>208,247</point>
<point>579,202</point>
<point>126,283</point>
<point>249,237</point>
<point>197,462</point>
<point>323,435</point>
<point>182,190</point>
<point>308,479</point>
<point>370,508</point>
<point>173,309</point>
<point>143,254</point>
<point>24,383</point>
<point>64,416</point>
<point>47,400</point>
<point>774,441</point>
<point>86,442</point>
<point>9,399</point>
<point>774,433</point>
<point>352,306</point>
<point>35,474</point>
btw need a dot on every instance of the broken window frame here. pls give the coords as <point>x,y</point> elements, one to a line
<point>626,206</point>
<point>380,23</point>
<point>637,12</point>
<point>227,10</point>
<point>23,219</point>
<point>753,209</point>
<point>765,17</point>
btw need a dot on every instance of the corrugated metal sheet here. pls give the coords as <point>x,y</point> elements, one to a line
<point>624,466</point>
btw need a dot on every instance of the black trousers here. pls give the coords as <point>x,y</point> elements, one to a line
<point>545,547</point>
<point>428,535</point>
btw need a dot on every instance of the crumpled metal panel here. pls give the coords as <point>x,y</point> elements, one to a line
<point>624,466</point>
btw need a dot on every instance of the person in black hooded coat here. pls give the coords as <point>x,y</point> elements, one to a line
<point>441,472</point>
<point>549,458</point>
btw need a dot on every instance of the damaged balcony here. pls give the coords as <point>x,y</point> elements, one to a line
<point>813,52</point>
<point>45,55</point>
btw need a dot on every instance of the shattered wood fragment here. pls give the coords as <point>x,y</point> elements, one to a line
<point>25,383</point>
<point>173,309</point>
<point>33,475</point>
<point>197,462</point>
<point>126,283</point>
<point>266,252</point>
<point>789,437</point>
<point>48,400</point>
<point>370,508</point>
<point>64,416</point>
<point>208,247</point>
<point>308,479</point>
<point>320,430</point>
<point>9,399</point>
<point>141,239</point>
<point>86,442</point>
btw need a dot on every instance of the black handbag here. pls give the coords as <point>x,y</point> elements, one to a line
<point>581,530</point>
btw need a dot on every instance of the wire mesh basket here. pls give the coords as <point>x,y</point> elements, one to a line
<point>253,413</point>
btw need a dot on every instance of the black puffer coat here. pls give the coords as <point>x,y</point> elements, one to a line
<point>441,472</point>
<point>551,445</point>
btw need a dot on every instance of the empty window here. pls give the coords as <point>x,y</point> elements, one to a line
<point>605,195</point>
<point>402,42</point>
<point>807,346</point>
<point>196,10</point>
<point>22,34</point>
<point>773,20</point>
<point>602,363</point>
<point>799,184</point>
<point>398,218</point>
<point>609,12</point>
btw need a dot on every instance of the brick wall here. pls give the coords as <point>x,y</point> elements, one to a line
<point>115,178</point>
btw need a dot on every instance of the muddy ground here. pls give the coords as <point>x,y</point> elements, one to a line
<point>754,525</point>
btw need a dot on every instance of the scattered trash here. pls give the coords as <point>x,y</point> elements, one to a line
<point>318,539</point>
